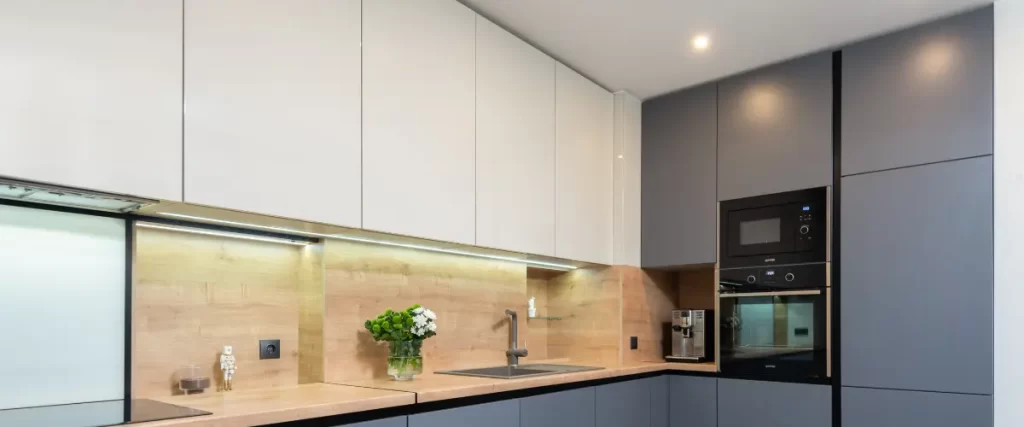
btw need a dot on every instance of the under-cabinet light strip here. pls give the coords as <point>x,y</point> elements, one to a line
<point>220,234</point>
<point>544,264</point>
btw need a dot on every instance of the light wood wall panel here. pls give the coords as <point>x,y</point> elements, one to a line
<point>648,298</point>
<point>588,299</point>
<point>468,294</point>
<point>194,294</point>
<point>311,316</point>
<point>537,331</point>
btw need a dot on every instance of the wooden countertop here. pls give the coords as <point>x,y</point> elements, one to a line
<point>434,387</point>
<point>283,404</point>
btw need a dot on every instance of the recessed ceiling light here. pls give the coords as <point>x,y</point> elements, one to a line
<point>701,42</point>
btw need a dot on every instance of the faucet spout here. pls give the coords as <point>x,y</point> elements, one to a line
<point>514,353</point>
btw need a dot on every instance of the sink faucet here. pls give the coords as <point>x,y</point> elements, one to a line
<point>514,353</point>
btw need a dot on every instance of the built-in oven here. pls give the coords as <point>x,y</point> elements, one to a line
<point>783,228</point>
<point>774,322</point>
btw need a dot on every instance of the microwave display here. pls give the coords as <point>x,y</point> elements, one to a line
<point>761,231</point>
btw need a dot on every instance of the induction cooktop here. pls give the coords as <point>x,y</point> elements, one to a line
<point>96,414</point>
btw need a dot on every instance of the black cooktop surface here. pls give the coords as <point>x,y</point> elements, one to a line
<point>96,414</point>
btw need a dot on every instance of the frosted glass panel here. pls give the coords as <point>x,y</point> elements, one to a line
<point>62,312</point>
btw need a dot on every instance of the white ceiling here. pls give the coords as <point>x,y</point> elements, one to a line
<point>643,46</point>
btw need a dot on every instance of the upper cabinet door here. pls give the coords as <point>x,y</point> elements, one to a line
<point>775,129</point>
<point>679,206</point>
<point>270,93</point>
<point>919,96</point>
<point>515,143</point>
<point>91,94</point>
<point>418,119</point>
<point>584,114</point>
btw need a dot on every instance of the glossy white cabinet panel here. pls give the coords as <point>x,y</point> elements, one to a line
<point>272,89</point>
<point>91,94</point>
<point>515,143</point>
<point>418,119</point>
<point>584,114</point>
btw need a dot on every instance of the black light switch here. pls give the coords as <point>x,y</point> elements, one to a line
<point>270,349</point>
<point>633,343</point>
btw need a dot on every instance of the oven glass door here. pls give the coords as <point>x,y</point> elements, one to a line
<point>775,335</point>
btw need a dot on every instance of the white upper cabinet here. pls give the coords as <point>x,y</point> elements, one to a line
<point>272,123</point>
<point>90,94</point>
<point>515,143</point>
<point>584,114</point>
<point>418,119</point>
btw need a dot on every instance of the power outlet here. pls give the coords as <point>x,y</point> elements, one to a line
<point>633,343</point>
<point>270,349</point>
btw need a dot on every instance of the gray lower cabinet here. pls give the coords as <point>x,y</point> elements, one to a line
<point>678,183</point>
<point>624,404</point>
<point>659,400</point>
<point>694,401</point>
<point>504,413</point>
<point>920,95</point>
<point>775,128</point>
<point>572,408</point>
<point>387,422</point>
<point>917,278</point>
<point>743,403</point>
<point>898,408</point>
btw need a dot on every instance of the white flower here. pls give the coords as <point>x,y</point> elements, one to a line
<point>420,320</point>
<point>417,310</point>
<point>432,327</point>
<point>430,314</point>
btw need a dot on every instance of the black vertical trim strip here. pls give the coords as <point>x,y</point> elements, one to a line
<point>129,243</point>
<point>837,173</point>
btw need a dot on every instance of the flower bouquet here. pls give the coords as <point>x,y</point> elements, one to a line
<point>404,331</point>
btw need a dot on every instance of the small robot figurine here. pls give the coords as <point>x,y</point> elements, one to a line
<point>227,366</point>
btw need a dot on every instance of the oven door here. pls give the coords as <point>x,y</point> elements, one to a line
<point>775,335</point>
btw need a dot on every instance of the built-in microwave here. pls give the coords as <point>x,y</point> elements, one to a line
<point>775,229</point>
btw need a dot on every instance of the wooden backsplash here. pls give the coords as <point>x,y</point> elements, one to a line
<point>194,294</point>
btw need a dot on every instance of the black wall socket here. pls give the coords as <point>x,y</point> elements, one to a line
<point>270,349</point>
<point>633,344</point>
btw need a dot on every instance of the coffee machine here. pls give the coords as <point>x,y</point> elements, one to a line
<point>692,337</point>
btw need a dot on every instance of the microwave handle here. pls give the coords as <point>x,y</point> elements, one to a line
<point>771,294</point>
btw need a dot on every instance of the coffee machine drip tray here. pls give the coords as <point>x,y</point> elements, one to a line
<point>685,359</point>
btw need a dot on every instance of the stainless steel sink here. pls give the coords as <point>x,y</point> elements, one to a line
<point>523,371</point>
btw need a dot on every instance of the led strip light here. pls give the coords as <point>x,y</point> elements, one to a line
<point>220,233</point>
<point>535,263</point>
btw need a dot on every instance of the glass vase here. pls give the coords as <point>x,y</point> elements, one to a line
<point>404,359</point>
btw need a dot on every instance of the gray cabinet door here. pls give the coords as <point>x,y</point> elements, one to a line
<point>899,408</point>
<point>743,403</point>
<point>659,401</point>
<point>572,408</point>
<point>775,128</point>
<point>694,401</point>
<point>504,413</point>
<point>917,278</point>
<point>678,168</point>
<point>624,404</point>
<point>919,96</point>
<point>387,422</point>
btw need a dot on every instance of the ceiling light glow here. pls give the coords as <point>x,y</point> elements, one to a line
<point>701,42</point>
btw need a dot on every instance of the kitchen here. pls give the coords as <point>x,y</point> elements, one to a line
<point>541,230</point>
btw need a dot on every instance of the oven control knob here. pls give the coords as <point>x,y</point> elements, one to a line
<point>751,279</point>
<point>790,277</point>
<point>804,229</point>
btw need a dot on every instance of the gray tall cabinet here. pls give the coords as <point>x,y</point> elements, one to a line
<point>917,226</point>
<point>775,128</point>
<point>678,203</point>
